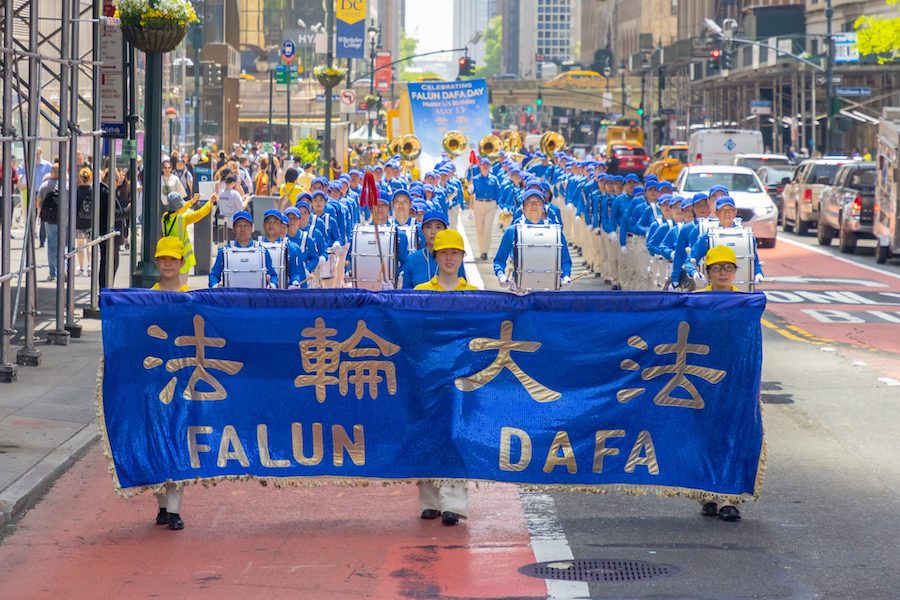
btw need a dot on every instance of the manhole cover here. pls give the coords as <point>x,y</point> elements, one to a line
<point>594,569</point>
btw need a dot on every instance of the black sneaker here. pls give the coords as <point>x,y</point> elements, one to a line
<point>483,256</point>
<point>175,522</point>
<point>430,513</point>
<point>449,518</point>
<point>162,517</point>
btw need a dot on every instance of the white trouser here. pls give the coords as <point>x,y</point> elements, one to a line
<point>485,212</point>
<point>453,497</point>
<point>170,499</point>
<point>453,215</point>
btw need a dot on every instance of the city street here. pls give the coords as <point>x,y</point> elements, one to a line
<point>824,526</point>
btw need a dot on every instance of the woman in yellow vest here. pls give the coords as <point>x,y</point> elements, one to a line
<point>175,224</point>
<point>450,502</point>
<point>169,260</point>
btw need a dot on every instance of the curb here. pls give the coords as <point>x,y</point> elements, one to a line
<point>24,492</point>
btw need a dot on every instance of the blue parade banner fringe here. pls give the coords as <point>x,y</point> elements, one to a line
<point>634,392</point>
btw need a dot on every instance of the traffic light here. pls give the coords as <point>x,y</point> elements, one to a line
<point>726,60</point>
<point>466,66</point>
<point>640,110</point>
<point>540,100</point>
<point>715,55</point>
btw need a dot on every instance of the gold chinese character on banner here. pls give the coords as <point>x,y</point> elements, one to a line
<point>199,362</point>
<point>504,346</point>
<point>321,359</point>
<point>679,370</point>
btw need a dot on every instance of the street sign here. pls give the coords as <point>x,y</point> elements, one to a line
<point>112,76</point>
<point>282,72</point>
<point>761,107</point>
<point>853,91</point>
<point>288,51</point>
<point>268,147</point>
<point>129,148</point>
<point>835,80</point>
<point>348,101</point>
<point>845,48</point>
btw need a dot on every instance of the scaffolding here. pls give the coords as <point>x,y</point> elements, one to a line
<point>50,75</point>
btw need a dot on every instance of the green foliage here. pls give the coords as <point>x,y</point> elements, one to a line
<point>408,47</point>
<point>493,49</point>
<point>307,151</point>
<point>879,35</point>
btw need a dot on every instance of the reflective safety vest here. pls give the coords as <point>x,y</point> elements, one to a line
<point>176,225</point>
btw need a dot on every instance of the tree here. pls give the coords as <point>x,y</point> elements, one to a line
<point>408,46</point>
<point>307,151</point>
<point>879,35</point>
<point>493,49</point>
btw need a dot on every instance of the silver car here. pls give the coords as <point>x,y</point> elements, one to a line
<point>754,206</point>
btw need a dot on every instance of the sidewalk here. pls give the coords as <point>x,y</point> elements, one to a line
<point>47,417</point>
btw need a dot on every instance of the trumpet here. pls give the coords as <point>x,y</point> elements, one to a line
<point>454,143</point>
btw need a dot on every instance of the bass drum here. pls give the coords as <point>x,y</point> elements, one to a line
<point>278,253</point>
<point>412,237</point>
<point>538,257</point>
<point>369,272</point>
<point>244,267</point>
<point>742,241</point>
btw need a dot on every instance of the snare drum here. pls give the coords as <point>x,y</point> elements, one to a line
<point>538,257</point>
<point>368,271</point>
<point>244,267</point>
<point>742,241</point>
<point>278,253</point>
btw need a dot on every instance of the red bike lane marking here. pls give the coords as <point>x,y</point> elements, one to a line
<point>243,540</point>
<point>853,305</point>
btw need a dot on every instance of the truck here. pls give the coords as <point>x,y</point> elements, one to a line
<point>629,135</point>
<point>887,186</point>
<point>719,146</point>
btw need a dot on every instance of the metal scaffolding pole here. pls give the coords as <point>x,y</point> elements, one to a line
<point>72,327</point>
<point>8,369</point>
<point>93,311</point>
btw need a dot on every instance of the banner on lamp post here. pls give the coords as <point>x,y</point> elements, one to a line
<point>351,28</point>
<point>383,72</point>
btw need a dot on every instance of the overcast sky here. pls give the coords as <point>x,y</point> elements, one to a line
<point>431,22</point>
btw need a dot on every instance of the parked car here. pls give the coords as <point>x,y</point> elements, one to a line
<point>755,161</point>
<point>624,159</point>
<point>775,177</point>
<point>801,194</point>
<point>668,162</point>
<point>887,187</point>
<point>577,79</point>
<point>754,206</point>
<point>846,208</point>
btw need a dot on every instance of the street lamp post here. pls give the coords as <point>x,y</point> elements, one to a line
<point>373,35</point>
<point>622,71</point>
<point>171,115</point>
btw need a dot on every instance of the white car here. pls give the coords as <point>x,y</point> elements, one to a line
<point>754,206</point>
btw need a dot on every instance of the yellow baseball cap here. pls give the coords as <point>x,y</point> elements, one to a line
<point>169,246</point>
<point>721,254</point>
<point>447,239</point>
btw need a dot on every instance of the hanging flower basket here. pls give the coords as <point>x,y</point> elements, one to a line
<point>155,25</point>
<point>155,40</point>
<point>329,77</point>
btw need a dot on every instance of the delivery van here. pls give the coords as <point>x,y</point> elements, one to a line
<point>719,146</point>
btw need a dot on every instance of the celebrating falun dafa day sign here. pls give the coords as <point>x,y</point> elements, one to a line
<point>568,390</point>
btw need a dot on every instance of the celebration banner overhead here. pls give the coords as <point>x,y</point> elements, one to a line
<point>439,107</point>
<point>625,391</point>
<point>350,18</point>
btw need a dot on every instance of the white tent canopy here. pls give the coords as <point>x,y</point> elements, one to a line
<point>361,136</point>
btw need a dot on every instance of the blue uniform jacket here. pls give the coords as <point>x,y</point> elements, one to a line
<point>486,188</point>
<point>619,207</point>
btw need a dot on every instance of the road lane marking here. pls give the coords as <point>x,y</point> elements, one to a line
<point>823,280</point>
<point>840,258</point>
<point>792,336</point>
<point>549,542</point>
<point>889,381</point>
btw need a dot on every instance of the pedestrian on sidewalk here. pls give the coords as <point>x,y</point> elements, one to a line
<point>449,501</point>
<point>169,261</point>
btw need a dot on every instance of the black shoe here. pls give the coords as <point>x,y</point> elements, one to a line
<point>162,517</point>
<point>175,522</point>
<point>430,513</point>
<point>483,256</point>
<point>730,513</point>
<point>616,287</point>
<point>709,509</point>
<point>449,518</point>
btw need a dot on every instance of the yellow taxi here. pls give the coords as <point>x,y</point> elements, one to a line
<point>577,79</point>
<point>668,161</point>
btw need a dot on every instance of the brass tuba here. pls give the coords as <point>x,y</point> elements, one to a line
<point>410,147</point>
<point>552,142</point>
<point>454,143</point>
<point>512,140</point>
<point>490,146</point>
<point>394,145</point>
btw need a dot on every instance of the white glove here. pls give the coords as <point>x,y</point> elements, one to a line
<point>671,288</point>
<point>624,249</point>
<point>322,260</point>
<point>611,235</point>
<point>504,281</point>
<point>672,255</point>
<point>272,286</point>
<point>571,207</point>
<point>471,190</point>
<point>698,277</point>
<point>590,229</point>
<point>758,278</point>
<point>336,244</point>
<point>566,280</point>
<point>295,285</point>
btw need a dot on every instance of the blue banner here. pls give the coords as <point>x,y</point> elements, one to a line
<point>350,20</point>
<point>635,391</point>
<point>439,107</point>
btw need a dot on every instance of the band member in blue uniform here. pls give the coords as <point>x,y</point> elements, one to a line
<point>485,190</point>
<point>242,225</point>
